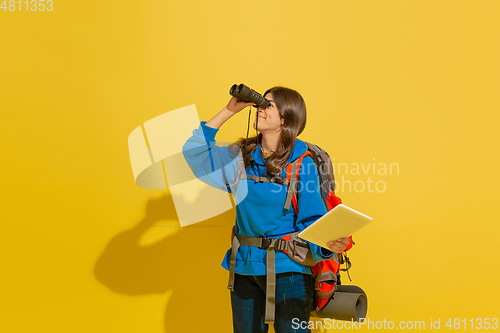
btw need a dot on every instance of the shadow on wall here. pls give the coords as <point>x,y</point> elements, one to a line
<point>187,262</point>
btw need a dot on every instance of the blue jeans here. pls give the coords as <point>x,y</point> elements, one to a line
<point>294,295</point>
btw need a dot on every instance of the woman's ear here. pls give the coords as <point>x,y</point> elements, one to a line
<point>282,121</point>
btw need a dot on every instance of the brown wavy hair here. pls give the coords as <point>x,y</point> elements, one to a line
<point>292,109</point>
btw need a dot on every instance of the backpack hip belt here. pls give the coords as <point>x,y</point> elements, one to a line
<point>270,245</point>
<point>296,248</point>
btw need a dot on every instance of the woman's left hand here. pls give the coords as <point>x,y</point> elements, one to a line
<point>339,245</point>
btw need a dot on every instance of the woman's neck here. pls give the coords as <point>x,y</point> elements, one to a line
<point>270,142</point>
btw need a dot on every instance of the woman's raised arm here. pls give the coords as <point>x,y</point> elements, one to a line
<point>233,107</point>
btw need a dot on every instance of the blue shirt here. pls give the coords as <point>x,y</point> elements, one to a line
<point>259,205</point>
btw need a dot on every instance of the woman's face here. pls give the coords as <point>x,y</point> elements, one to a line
<point>269,118</point>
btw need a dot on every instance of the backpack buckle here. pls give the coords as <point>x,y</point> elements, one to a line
<point>264,243</point>
<point>282,245</point>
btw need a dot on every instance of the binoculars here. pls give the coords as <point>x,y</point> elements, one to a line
<point>246,94</point>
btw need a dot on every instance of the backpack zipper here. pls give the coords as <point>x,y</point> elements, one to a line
<point>300,244</point>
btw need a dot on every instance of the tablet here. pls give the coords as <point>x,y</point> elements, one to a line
<point>340,222</point>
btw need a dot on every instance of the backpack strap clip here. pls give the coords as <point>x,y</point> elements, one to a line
<point>261,179</point>
<point>279,244</point>
<point>264,243</point>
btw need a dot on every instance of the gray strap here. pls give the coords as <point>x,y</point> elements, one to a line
<point>250,241</point>
<point>292,187</point>
<point>234,250</point>
<point>264,242</point>
<point>271,284</point>
<point>316,285</point>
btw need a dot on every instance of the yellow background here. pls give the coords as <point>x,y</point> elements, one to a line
<point>409,82</point>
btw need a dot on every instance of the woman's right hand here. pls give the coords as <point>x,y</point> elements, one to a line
<point>236,105</point>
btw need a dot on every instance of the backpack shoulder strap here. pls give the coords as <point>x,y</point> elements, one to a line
<point>325,170</point>
<point>292,175</point>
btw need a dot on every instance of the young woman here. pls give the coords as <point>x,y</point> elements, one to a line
<point>259,207</point>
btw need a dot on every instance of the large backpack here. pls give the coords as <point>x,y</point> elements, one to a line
<point>327,276</point>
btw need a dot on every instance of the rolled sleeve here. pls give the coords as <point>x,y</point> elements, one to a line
<point>215,165</point>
